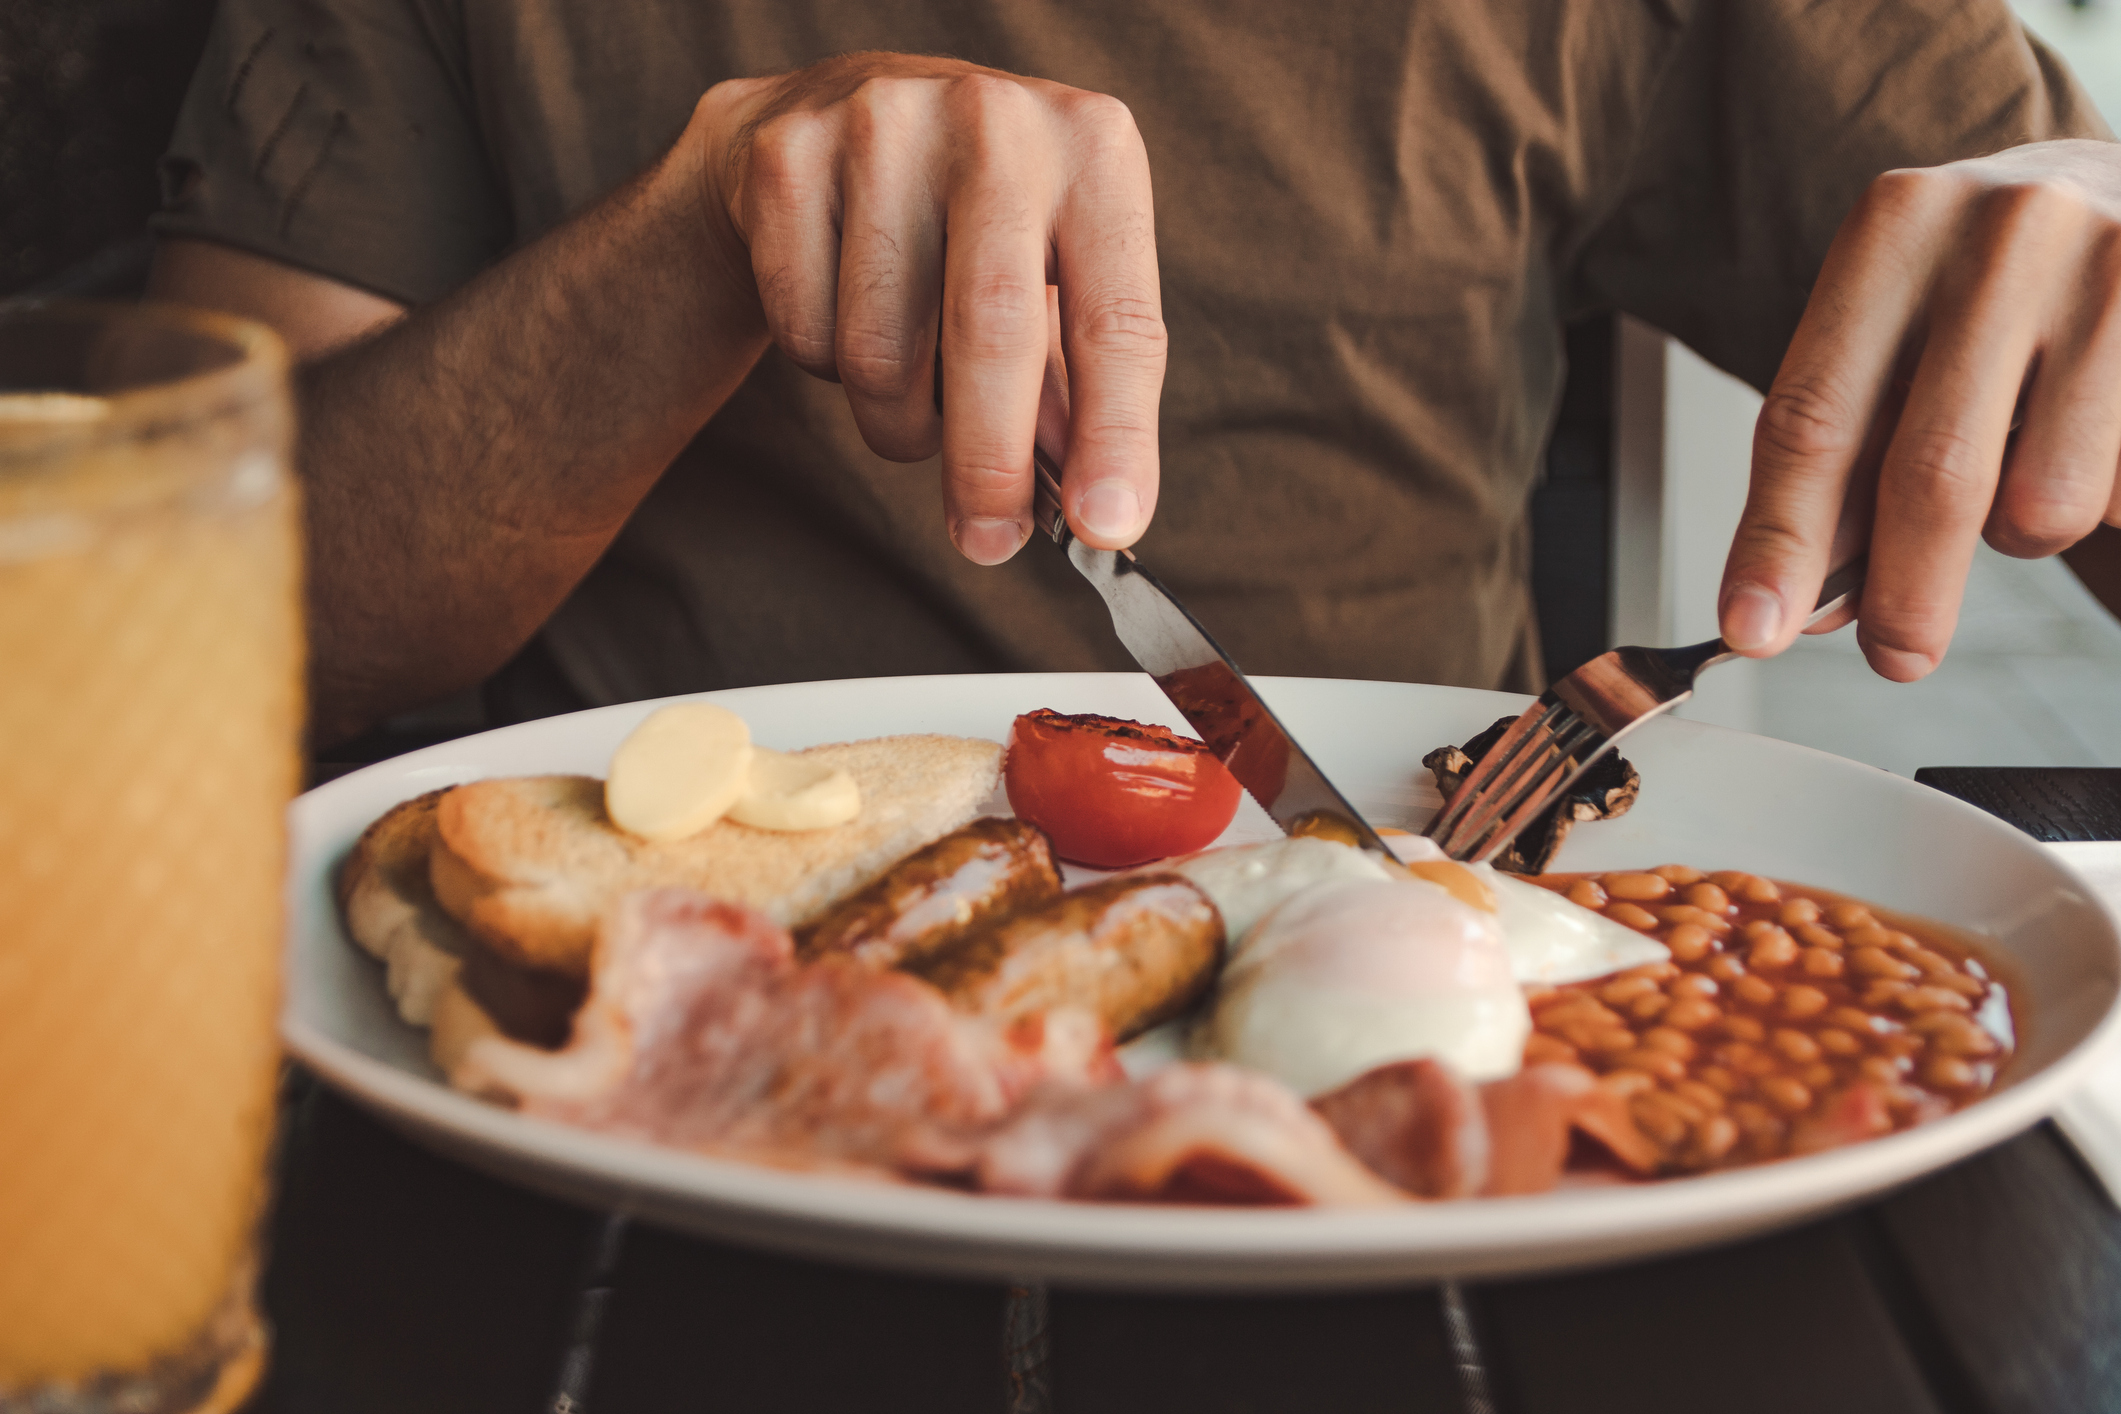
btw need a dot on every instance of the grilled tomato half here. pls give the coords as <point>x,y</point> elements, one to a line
<point>1111,793</point>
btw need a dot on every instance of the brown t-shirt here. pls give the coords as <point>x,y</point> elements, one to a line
<point>1372,219</point>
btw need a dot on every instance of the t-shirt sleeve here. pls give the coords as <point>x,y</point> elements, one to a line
<point>1770,120</point>
<point>338,137</point>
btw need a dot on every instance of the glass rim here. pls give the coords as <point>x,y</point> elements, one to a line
<point>150,410</point>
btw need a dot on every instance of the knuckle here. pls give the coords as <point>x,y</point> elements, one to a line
<point>783,155</point>
<point>1806,422</point>
<point>1937,472</point>
<point>2030,526</point>
<point>998,313</point>
<point>1101,117</point>
<point>986,98</point>
<point>877,366</point>
<point>1120,325</point>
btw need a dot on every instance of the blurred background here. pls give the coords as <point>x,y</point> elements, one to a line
<point>1652,441</point>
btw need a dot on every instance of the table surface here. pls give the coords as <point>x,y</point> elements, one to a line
<point>404,1282</point>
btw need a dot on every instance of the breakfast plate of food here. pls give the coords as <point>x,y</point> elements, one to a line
<point>996,976</point>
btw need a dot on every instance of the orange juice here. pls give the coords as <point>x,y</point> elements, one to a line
<point>149,719</point>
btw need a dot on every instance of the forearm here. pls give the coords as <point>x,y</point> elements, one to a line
<point>464,468</point>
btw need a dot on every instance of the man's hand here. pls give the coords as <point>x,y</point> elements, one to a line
<point>887,201</point>
<point>1957,374</point>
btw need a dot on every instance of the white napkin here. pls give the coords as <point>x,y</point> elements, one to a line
<point>2091,1118</point>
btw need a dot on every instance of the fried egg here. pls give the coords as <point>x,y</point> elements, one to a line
<point>1349,974</point>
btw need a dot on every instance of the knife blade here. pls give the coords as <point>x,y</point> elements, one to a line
<point>1204,685</point>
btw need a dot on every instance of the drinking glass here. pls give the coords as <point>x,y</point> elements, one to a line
<point>150,710</point>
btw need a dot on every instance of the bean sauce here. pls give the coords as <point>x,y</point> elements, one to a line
<point>1788,1020</point>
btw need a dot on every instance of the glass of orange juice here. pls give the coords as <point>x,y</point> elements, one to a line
<point>150,711</point>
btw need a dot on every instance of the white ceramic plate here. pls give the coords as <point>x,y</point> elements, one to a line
<point>1712,798</point>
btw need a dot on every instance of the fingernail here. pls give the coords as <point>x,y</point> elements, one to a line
<point>1110,509</point>
<point>1751,617</point>
<point>1898,664</point>
<point>989,540</point>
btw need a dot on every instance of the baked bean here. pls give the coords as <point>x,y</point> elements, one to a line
<point>1814,936</point>
<point>1722,1079</point>
<point>1798,912</point>
<point>1880,994</point>
<point>1743,1028</point>
<point>1716,1137</point>
<point>1706,1098</point>
<point>1849,915</point>
<point>1708,897</point>
<point>1772,949</point>
<point>1931,999</point>
<point>1755,991</point>
<point>1758,889</point>
<point>1660,1064</point>
<point>1821,962</point>
<point>1795,1046</point>
<point>1689,942</point>
<point>1786,1093</point>
<point>1633,915</point>
<point>1691,1013</point>
<point>1637,888</point>
<point>1625,990</point>
<point>1836,1042</point>
<point>1715,1057</point>
<point>1883,1070</point>
<point>1542,1049</point>
<point>1870,935</point>
<point>1626,1083</point>
<point>1877,962</point>
<point>1670,1041</point>
<point>1801,1003</point>
<point>1655,1117</point>
<point>1953,1034</point>
<point>1900,1044</point>
<point>1949,1073</point>
<point>1849,1018</point>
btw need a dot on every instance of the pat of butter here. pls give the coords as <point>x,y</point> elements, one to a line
<point>679,772</point>
<point>793,793</point>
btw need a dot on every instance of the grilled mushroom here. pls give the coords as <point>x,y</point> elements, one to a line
<point>1604,793</point>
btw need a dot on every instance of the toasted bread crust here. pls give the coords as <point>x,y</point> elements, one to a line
<point>528,864</point>
<point>391,910</point>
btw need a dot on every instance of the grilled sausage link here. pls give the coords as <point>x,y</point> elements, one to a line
<point>935,896</point>
<point>1135,950</point>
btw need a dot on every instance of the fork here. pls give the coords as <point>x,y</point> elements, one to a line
<point>1577,721</point>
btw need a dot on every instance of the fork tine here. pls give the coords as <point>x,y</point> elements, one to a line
<point>1541,751</point>
<point>1573,755</point>
<point>1482,777</point>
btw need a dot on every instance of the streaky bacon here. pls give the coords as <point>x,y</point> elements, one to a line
<point>701,1030</point>
<point>1436,1135</point>
<point>1190,1133</point>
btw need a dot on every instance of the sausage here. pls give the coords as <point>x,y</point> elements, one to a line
<point>1134,950</point>
<point>935,896</point>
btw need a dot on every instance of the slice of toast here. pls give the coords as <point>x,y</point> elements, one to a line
<point>391,909</point>
<point>528,864</point>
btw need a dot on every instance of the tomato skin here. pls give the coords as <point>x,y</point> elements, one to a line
<point>1111,793</point>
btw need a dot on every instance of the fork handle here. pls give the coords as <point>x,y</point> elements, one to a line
<point>1841,586</point>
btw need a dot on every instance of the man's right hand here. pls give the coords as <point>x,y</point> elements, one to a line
<point>886,201</point>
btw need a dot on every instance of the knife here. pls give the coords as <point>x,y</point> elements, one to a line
<point>1204,685</point>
